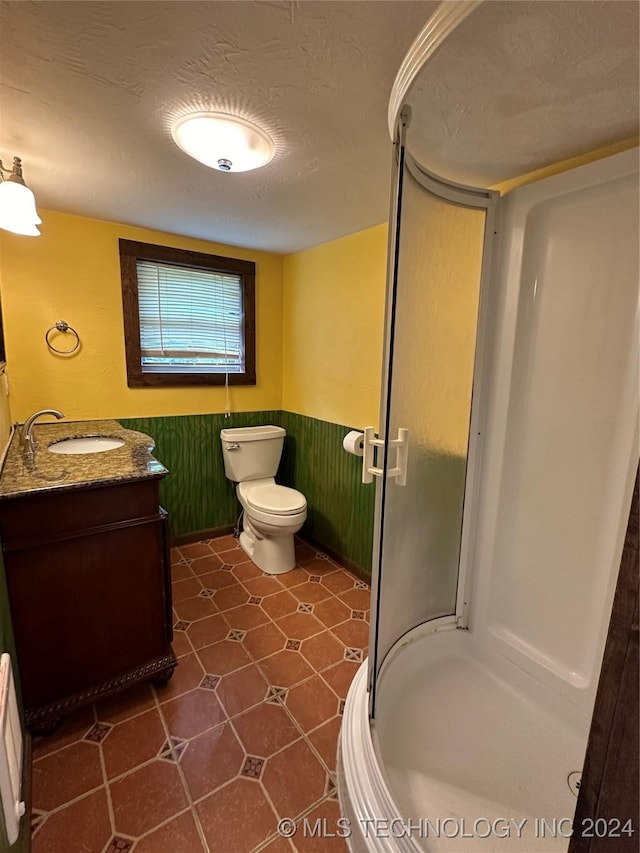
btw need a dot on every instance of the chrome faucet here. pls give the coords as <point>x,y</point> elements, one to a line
<point>25,433</point>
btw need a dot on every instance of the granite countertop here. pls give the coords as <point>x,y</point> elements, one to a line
<point>26,473</point>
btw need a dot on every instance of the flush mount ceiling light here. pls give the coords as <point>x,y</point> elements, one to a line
<point>223,142</point>
<point>17,203</point>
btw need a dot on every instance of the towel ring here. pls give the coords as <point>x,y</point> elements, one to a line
<point>61,326</point>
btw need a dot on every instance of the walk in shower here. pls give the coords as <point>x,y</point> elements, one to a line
<point>511,357</point>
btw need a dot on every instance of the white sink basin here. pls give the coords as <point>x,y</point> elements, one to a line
<point>89,444</point>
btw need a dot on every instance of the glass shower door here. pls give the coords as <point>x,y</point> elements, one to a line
<point>430,351</point>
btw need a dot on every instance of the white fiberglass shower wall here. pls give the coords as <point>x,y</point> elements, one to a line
<point>492,722</point>
<point>512,359</point>
<point>562,435</point>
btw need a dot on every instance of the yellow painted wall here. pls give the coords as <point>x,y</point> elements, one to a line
<point>333,329</point>
<point>334,313</point>
<point>72,272</point>
<point>320,316</point>
<point>564,165</point>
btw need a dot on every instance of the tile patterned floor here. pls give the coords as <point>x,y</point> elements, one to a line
<point>244,734</point>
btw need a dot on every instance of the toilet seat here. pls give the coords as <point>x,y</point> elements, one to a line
<point>271,498</point>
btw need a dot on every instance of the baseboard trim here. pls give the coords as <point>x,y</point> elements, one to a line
<point>213,532</point>
<point>198,535</point>
<point>348,564</point>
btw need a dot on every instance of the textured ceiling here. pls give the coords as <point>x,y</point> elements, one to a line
<point>89,91</point>
<point>520,85</point>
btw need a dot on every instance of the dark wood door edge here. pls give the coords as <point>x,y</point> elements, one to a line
<point>608,796</point>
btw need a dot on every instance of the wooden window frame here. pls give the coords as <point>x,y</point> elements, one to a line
<point>132,251</point>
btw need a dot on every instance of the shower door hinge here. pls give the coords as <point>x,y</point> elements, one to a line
<point>371,470</point>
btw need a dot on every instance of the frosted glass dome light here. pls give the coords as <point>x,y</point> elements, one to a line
<point>17,203</point>
<point>223,141</point>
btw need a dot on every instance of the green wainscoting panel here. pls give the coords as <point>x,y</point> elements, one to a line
<point>340,507</point>
<point>198,496</point>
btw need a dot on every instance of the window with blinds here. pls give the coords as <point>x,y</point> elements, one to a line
<point>189,318</point>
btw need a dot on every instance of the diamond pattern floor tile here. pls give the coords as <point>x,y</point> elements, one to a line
<point>353,633</point>
<point>195,550</point>
<point>285,668</point>
<point>280,604</point>
<point>299,626</point>
<point>224,657</point>
<point>124,705</point>
<point>319,566</point>
<point>205,565</point>
<point>73,727</point>
<point>192,609</point>
<point>207,631</point>
<point>278,845</point>
<point>83,825</point>
<point>178,836</point>
<point>180,572</point>
<point>185,589</point>
<point>245,617</point>
<point>322,650</point>
<point>312,703</point>
<point>325,740</point>
<point>188,674</point>
<point>242,689</point>
<point>340,676</point>
<point>294,779</point>
<point>254,705</point>
<point>338,582</point>
<point>224,543</point>
<point>264,641</point>
<point>245,571</point>
<point>211,760</point>
<point>146,798</point>
<point>331,612</point>
<point>231,596</point>
<point>133,742</point>
<point>65,775</point>
<point>193,713</point>
<point>217,579</point>
<point>328,813</point>
<point>265,729</point>
<point>356,599</point>
<point>237,817</point>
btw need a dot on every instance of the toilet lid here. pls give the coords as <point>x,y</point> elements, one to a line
<point>279,500</point>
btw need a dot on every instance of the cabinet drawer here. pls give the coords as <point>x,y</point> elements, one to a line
<point>38,518</point>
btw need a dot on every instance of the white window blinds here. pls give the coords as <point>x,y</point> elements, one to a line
<point>191,320</point>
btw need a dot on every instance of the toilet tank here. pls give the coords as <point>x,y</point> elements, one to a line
<point>251,453</point>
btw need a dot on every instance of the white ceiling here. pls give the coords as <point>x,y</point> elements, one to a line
<point>89,91</point>
<point>520,85</point>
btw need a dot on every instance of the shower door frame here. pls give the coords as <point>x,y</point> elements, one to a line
<point>477,199</point>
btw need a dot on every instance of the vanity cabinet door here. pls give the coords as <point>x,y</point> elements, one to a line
<point>90,593</point>
<point>89,609</point>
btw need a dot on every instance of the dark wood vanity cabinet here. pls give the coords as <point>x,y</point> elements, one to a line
<point>90,593</point>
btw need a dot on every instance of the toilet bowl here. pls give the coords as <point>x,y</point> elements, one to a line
<point>271,514</point>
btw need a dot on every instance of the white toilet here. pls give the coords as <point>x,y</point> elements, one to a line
<point>271,513</point>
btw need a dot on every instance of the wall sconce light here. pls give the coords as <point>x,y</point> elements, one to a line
<point>17,203</point>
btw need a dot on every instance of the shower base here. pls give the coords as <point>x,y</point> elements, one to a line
<point>467,752</point>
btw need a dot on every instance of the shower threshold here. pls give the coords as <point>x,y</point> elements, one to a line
<point>466,754</point>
